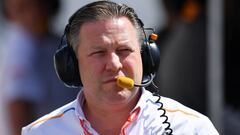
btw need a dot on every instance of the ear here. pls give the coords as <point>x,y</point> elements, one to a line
<point>66,66</point>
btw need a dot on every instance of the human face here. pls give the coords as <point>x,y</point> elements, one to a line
<point>109,48</point>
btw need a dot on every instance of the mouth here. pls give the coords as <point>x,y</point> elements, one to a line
<point>111,80</point>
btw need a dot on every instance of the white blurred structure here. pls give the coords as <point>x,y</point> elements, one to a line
<point>4,130</point>
<point>215,65</point>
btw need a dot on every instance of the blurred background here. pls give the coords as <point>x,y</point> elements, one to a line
<point>199,66</point>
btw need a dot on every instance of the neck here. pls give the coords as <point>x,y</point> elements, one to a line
<point>108,121</point>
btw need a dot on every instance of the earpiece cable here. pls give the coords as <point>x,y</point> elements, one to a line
<point>147,83</point>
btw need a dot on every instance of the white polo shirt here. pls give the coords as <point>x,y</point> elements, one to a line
<point>151,116</point>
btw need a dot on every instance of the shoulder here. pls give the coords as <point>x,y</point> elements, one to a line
<point>49,122</point>
<point>181,118</point>
<point>173,106</point>
<point>179,114</point>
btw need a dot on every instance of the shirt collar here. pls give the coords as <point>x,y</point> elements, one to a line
<point>140,104</point>
<point>79,105</point>
<point>142,101</point>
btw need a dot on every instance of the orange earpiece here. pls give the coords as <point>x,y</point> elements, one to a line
<point>153,37</point>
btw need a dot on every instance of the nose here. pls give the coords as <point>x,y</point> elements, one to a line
<point>113,62</point>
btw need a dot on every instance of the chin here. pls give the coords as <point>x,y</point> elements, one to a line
<point>118,95</point>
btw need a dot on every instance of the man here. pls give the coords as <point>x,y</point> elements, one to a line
<point>105,37</point>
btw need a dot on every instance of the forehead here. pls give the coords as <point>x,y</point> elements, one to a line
<point>107,25</point>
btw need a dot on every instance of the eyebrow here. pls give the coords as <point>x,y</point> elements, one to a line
<point>97,47</point>
<point>102,46</point>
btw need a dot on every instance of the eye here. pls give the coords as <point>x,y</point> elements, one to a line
<point>124,51</point>
<point>98,53</point>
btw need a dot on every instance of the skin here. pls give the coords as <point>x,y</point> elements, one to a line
<point>109,48</point>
